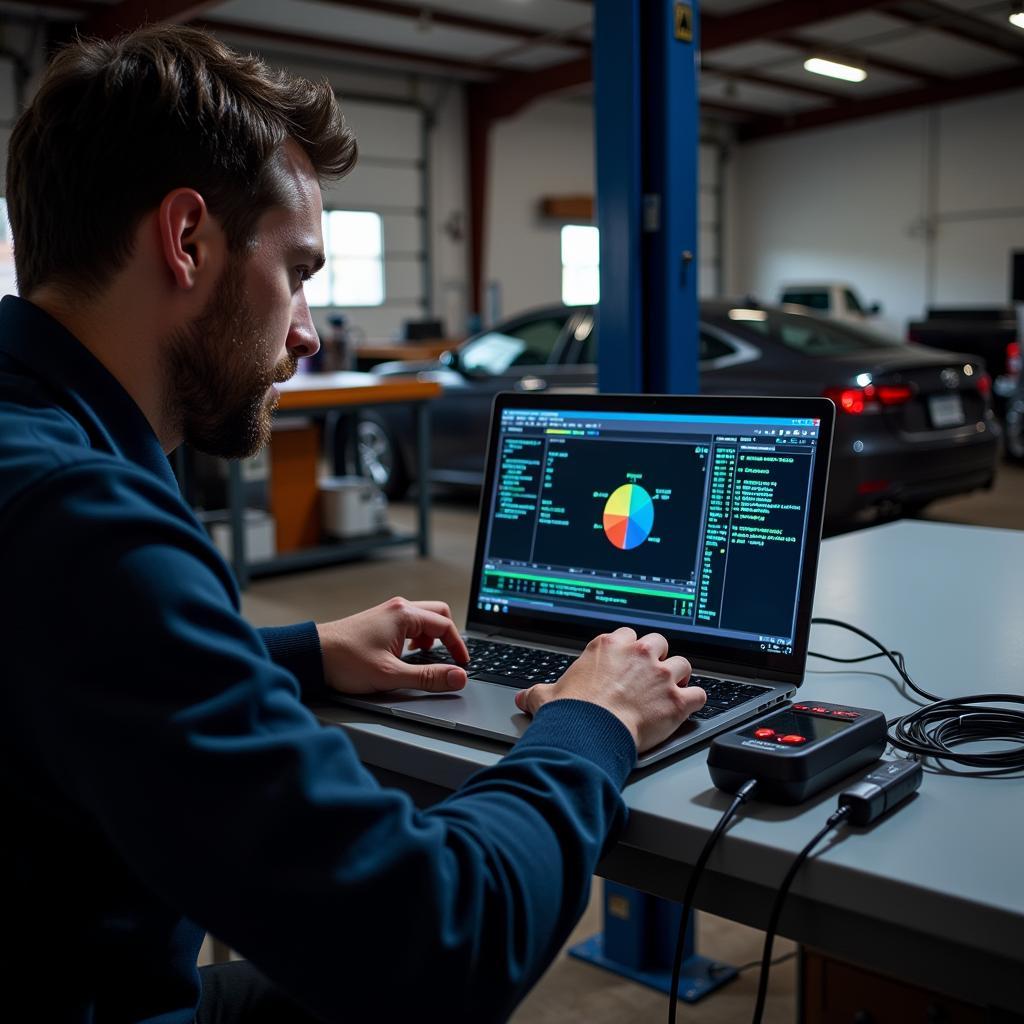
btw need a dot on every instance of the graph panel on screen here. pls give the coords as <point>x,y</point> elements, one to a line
<point>659,521</point>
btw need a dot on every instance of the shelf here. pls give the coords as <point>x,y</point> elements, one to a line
<point>332,553</point>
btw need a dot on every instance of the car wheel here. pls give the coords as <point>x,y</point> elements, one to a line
<point>379,456</point>
<point>1013,432</point>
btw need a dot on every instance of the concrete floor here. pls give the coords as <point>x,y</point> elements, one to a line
<point>572,991</point>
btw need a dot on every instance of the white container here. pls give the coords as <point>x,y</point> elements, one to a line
<point>353,506</point>
<point>260,533</point>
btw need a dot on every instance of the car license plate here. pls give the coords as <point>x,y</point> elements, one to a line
<point>946,410</point>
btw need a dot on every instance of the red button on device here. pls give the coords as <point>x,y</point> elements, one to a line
<point>793,739</point>
<point>764,734</point>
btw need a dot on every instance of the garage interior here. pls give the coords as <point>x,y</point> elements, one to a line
<point>477,139</point>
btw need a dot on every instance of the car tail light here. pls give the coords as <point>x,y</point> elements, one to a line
<point>1013,359</point>
<point>851,400</point>
<point>871,398</point>
<point>984,385</point>
<point>890,395</point>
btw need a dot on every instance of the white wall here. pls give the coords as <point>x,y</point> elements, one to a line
<point>914,209</point>
<point>546,150</point>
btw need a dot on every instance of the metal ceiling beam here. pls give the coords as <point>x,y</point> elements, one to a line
<point>860,57</point>
<point>476,68</point>
<point>818,92</point>
<point>952,89</point>
<point>517,89</point>
<point>129,14</point>
<point>963,27</point>
<point>422,13</point>
<point>755,24</point>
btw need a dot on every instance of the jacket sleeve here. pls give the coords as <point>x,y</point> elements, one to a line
<point>297,650</point>
<point>161,716</point>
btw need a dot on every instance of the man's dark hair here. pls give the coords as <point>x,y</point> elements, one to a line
<point>117,125</point>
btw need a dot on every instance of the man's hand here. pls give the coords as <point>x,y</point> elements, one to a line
<point>633,678</point>
<point>362,653</point>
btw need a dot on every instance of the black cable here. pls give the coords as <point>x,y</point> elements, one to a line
<point>862,657</point>
<point>780,897</point>
<point>891,655</point>
<point>937,730</point>
<point>725,968</point>
<point>743,794</point>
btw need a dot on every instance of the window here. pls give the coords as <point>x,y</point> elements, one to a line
<point>580,265</point>
<point>8,285</point>
<point>851,302</point>
<point>813,337</point>
<point>711,347</point>
<point>817,299</point>
<point>354,272</point>
<point>530,343</point>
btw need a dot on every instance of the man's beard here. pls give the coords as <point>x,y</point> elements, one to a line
<point>218,379</point>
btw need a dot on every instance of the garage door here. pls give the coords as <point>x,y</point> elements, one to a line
<point>389,181</point>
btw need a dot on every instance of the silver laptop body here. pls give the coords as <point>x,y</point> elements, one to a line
<point>697,517</point>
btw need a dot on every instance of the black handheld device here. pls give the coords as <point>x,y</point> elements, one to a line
<point>795,752</point>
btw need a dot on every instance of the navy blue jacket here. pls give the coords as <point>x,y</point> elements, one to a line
<point>161,775</point>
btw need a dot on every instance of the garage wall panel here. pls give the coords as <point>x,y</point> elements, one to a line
<point>385,131</point>
<point>548,150</point>
<point>913,209</point>
<point>377,187</point>
<point>388,179</point>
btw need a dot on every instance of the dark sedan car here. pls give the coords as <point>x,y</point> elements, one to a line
<point>913,424</point>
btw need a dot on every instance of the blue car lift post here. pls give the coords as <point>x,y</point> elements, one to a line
<point>647,127</point>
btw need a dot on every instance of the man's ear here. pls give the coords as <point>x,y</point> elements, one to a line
<point>189,237</point>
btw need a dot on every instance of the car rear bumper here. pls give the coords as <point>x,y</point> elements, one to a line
<point>889,471</point>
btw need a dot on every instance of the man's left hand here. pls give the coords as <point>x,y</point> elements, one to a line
<point>362,653</point>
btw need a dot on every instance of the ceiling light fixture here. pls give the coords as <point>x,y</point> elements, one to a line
<point>833,69</point>
<point>1017,15</point>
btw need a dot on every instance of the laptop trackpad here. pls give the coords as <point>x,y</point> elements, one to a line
<point>487,709</point>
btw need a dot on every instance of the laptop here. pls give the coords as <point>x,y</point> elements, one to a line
<point>696,517</point>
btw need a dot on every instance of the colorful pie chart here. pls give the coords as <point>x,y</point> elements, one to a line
<point>628,516</point>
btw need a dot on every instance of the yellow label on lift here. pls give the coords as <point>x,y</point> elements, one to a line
<point>618,906</point>
<point>684,22</point>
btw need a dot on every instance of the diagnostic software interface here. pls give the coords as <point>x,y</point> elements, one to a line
<point>662,521</point>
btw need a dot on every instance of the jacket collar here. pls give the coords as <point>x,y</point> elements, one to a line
<point>81,385</point>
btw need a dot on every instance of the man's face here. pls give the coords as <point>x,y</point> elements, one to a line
<point>222,366</point>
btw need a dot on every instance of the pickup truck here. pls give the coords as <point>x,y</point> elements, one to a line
<point>834,299</point>
<point>988,332</point>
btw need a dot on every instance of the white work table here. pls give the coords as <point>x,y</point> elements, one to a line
<point>933,893</point>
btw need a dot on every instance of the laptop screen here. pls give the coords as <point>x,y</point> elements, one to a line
<point>694,524</point>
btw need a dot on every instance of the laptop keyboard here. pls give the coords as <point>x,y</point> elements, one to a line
<point>516,666</point>
<point>502,663</point>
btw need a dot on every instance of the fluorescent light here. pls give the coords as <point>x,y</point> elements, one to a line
<point>1017,19</point>
<point>748,314</point>
<point>820,66</point>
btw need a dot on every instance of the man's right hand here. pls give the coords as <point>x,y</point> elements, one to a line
<point>633,678</point>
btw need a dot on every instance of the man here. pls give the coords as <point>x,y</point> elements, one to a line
<point>162,776</point>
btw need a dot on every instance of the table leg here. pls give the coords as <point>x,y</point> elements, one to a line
<point>423,475</point>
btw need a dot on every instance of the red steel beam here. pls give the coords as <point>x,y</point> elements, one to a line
<point>437,16</point>
<point>858,57</point>
<point>344,45</point>
<point>760,23</point>
<point>129,14</point>
<point>769,82</point>
<point>951,89</point>
<point>964,27</point>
